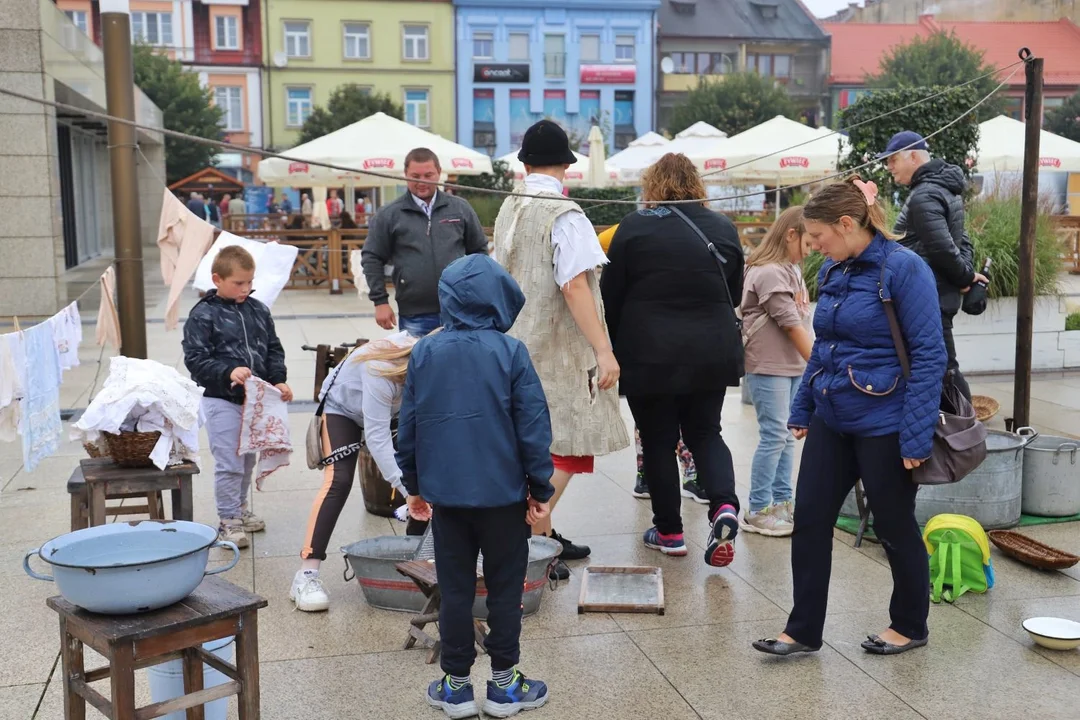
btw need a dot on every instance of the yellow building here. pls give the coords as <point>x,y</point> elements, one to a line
<point>401,47</point>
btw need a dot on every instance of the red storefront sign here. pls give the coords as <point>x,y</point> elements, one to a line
<point>612,74</point>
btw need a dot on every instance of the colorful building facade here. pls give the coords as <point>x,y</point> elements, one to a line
<point>401,47</point>
<point>578,62</point>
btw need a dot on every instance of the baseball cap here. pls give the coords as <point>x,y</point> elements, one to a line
<point>906,140</point>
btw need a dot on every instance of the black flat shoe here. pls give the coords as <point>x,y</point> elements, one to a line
<point>570,551</point>
<point>559,571</point>
<point>876,646</point>
<point>779,647</point>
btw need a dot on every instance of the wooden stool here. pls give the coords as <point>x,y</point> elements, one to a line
<point>217,609</point>
<point>100,479</point>
<point>423,574</point>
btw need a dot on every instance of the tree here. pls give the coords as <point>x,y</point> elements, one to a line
<point>941,59</point>
<point>186,107</point>
<point>348,104</point>
<point>1065,119</point>
<point>952,145</point>
<point>499,179</point>
<point>734,103</point>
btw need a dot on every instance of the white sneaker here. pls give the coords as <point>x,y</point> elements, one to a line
<point>308,593</point>
<point>769,521</point>
<point>252,522</point>
<point>232,530</point>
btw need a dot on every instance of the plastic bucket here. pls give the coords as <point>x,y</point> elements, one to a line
<point>167,681</point>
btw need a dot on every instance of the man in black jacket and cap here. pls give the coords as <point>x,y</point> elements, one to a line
<point>932,224</point>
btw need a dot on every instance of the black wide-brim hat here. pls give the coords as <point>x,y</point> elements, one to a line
<point>545,144</point>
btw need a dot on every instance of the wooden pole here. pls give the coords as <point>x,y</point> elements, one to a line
<point>1025,300</point>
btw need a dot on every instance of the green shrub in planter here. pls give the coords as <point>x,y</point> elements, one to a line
<point>486,206</point>
<point>602,214</point>
<point>1072,321</point>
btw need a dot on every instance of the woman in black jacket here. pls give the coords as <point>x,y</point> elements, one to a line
<point>669,309</point>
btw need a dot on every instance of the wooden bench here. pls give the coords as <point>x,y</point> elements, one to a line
<point>99,479</point>
<point>423,574</point>
<point>217,609</point>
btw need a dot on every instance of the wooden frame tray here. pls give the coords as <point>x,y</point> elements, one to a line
<point>629,589</point>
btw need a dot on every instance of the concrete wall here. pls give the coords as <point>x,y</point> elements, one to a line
<point>987,343</point>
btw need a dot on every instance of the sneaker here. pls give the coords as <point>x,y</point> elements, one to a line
<point>521,694</point>
<point>667,544</point>
<point>570,551</point>
<point>641,488</point>
<point>458,703</point>
<point>720,550</point>
<point>770,521</point>
<point>232,530</point>
<point>787,510</point>
<point>252,523</point>
<point>692,490</point>
<point>308,592</point>
<point>559,571</point>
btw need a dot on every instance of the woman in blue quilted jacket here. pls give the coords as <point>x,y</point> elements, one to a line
<point>860,416</point>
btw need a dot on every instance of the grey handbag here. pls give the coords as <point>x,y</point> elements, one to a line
<point>313,438</point>
<point>959,438</point>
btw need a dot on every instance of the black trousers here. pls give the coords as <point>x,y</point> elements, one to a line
<point>831,463</point>
<point>659,419</point>
<point>460,535</point>
<point>950,347</point>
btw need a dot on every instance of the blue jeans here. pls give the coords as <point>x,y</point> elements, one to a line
<point>770,473</point>
<point>419,325</point>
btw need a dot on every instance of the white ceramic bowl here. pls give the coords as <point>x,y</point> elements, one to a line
<point>1054,633</point>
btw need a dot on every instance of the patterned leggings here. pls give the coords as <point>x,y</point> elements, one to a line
<point>686,460</point>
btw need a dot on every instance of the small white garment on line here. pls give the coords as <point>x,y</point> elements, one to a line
<point>67,333</point>
<point>146,396</point>
<point>12,379</point>
<point>108,321</point>
<point>273,266</point>
<point>355,263</point>
<point>264,428</point>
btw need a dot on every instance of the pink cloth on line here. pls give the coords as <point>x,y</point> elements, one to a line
<point>264,428</point>
<point>108,321</point>
<point>183,239</point>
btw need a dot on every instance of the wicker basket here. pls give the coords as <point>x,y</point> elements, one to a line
<point>92,450</point>
<point>132,449</point>
<point>985,407</point>
<point>1030,551</point>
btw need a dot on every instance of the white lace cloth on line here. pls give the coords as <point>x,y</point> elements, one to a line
<point>40,424</point>
<point>264,428</point>
<point>146,396</point>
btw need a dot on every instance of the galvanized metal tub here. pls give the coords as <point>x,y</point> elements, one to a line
<point>990,494</point>
<point>372,563</point>
<point>1051,477</point>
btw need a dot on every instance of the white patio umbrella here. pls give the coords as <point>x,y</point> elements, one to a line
<point>762,153</point>
<point>576,176</point>
<point>1001,148</point>
<point>379,143</point>
<point>638,155</point>
<point>705,145</point>
<point>598,174</point>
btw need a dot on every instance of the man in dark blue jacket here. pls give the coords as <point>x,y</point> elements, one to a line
<point>474,440</point>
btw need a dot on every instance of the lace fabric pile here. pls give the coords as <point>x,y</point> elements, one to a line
<point>146,396</point>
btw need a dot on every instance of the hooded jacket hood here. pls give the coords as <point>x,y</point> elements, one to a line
<point>476,293</point>
<point>941,173</point>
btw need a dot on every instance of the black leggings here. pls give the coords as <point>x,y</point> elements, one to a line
<point>338,431</point>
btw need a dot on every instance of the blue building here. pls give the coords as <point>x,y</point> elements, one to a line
<point>579,62</point>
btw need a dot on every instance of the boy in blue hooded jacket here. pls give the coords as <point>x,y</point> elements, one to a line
<point>474,440</point>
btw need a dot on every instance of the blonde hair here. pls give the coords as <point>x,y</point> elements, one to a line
<point>773,249</point>
<point>385,351</point>
<point>672,177</point>
<point>844,198</point>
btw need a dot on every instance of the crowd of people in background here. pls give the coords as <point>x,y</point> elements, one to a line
<point>503,380</point>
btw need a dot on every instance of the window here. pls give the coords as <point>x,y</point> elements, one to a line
<point>703,63</point>
<point>782,65</point>
<point>773,65</point>
<point>623,118</point>
<point>298,40</point>
<point>519,46</point>
<point>1014,107</point>
<point>152,28</point>
<point>415,39</point>
<point>555,56</point>
<point>357,41</point>
<point>417,107</point>
<point>483,46</point>
<point>484,121</point>
<point>590,48</point>
<point>624,48</point>
<point>230,100</point>
<point>298,106</point>
<point>226,32</point>
<point>78,17</point>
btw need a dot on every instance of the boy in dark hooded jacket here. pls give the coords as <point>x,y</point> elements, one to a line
<point>474,439</point>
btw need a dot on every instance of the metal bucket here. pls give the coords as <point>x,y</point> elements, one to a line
<point>990,494</point>
<point>372,563</point>
<point>1052,477</point>
<point>379,497</point>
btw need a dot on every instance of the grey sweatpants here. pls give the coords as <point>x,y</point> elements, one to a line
<point>232,472</point>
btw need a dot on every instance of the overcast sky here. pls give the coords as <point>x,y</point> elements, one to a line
<point>824,8</point>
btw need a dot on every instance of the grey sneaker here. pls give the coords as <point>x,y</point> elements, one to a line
<point>232,530</point>
<point>786,510</point>
<point>769,522</point>
<point>252,523</point>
